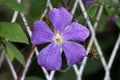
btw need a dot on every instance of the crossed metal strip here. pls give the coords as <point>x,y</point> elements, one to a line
<point>47,75</point>
<point>93,39</point>
<point>80,71</point>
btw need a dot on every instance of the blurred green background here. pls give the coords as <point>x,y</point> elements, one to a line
<point>106,33</point>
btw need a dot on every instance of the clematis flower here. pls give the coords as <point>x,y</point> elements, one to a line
<point>113,18</point>
<point>88,2</point>
<point>61,39</point>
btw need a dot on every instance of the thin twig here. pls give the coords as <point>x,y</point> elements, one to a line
<point>23,70</point>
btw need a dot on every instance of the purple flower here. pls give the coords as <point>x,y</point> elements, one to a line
<point>114,17</point>
<point>88,2</point>
<point>62,38</point>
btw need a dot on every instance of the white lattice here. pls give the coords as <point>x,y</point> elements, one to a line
<point>93,39</point>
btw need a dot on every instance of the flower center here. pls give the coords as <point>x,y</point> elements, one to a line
<point>58,39</point>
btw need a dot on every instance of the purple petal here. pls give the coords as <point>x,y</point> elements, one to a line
<point>76,32</point>
<point>74,52</point>
<point>41,33</point>
<point>88,1</point>
<point>114,17</point>
<point>60,18</point>
<point>50,57</point>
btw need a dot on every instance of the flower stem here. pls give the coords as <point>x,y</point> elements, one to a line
<point>27,57</point>
<point>68,2</point>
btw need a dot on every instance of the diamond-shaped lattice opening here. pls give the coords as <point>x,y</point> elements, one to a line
<point>5,71</point>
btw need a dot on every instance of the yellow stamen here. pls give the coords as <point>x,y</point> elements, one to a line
<point>58,39</point>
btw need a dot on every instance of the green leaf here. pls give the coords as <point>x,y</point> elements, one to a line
<point>10,52</point>
<point>110,10</point>
<point>102,22</point>
<point>117,21</point>
<point>0,2</point>
<point>15,5</point>
<point>14,52</point>
<point>98,1</point>
<point>115,1</point>
<point>92,11</point>
<point>37,8</point>
<point>12,32</point>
